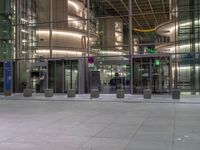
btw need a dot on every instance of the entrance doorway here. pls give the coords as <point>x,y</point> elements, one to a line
<point>63,75</point>
<point>38,76</point>
<point>114,74</point>
<point>152,71</point>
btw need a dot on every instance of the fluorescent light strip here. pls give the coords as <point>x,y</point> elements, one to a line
<point>112,52</point>
<point>62,33</point>
<point>186,68</point>
<point>46,51</point>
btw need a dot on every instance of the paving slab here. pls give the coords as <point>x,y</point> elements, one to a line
<point>98,125</point>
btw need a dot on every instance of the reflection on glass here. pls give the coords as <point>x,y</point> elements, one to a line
<point>1,77</point>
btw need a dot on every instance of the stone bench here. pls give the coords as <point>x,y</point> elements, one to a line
<point>48,93</point>
<point>120,93</point>
<point>28,92</point>
<point>71,93</point>
<point>94,93</point>
<point>147,93</point>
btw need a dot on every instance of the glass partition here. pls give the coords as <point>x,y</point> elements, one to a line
<point>5,30</point>
<point>1,77</point>
<point>152,72</point>
<point>63,75</point>
<point>71,75</point>
<point>32,30</point>
<point>113,77</point>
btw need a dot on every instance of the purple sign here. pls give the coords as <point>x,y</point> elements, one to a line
<point>90,60</point>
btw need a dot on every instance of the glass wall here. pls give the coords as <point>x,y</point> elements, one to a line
<point>1,77</point>
<point>63,75</point>
<point>24,41</point>
<point>71,75</point>
<point>6,12</point>
<point>152,72</point>
<point>38,30</point>
<point>189,45</point>
<point>114,74</point>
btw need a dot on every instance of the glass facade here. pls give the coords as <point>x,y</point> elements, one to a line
<point>189,45</point>
<point>1,77</point>
<point>6,13</point>
<point>42,36</point>
<point>59,71</point>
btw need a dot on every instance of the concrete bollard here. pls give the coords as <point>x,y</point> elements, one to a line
<point>28,92</point>
<point>94,93</point>
<point>48,93</point>
<point>147,93</point>
<point>120,93</point>
<point>71,93</point>
<point>176,93</point>
<point>7,93</point>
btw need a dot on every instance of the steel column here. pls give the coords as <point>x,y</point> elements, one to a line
<point>17,43</point>
<point>88,45</point>
<point>131,44</point>
<point>51,27</point>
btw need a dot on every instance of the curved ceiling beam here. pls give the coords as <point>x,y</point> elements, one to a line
<point>144,30</point>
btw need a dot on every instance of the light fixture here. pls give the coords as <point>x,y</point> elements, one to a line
<point>112,52</point>
<point>73,4</point>
<point>62,33</point>
<point>61,52</point>
<point>186,68</point>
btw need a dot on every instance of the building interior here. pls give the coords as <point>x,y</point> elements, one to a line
<point>144,43</point>
<point>99,74</point>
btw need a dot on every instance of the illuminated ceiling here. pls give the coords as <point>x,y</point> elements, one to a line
<point>147,14</point>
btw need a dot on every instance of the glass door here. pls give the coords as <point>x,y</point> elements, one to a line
<point>161,75</point>
<point>141,74</point>
<point>113,77</point>
<point>71,75</point>
<point>153,73</point>
<point>1,77</point>
<point>63,75</point>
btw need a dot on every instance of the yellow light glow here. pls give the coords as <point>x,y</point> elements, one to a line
<point>144,30</point>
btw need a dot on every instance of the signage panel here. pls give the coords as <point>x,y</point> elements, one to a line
<point>8,78</point>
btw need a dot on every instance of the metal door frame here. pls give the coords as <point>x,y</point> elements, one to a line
<point>63,73</point>
<point>150,56</point>
<point>3,76</point>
